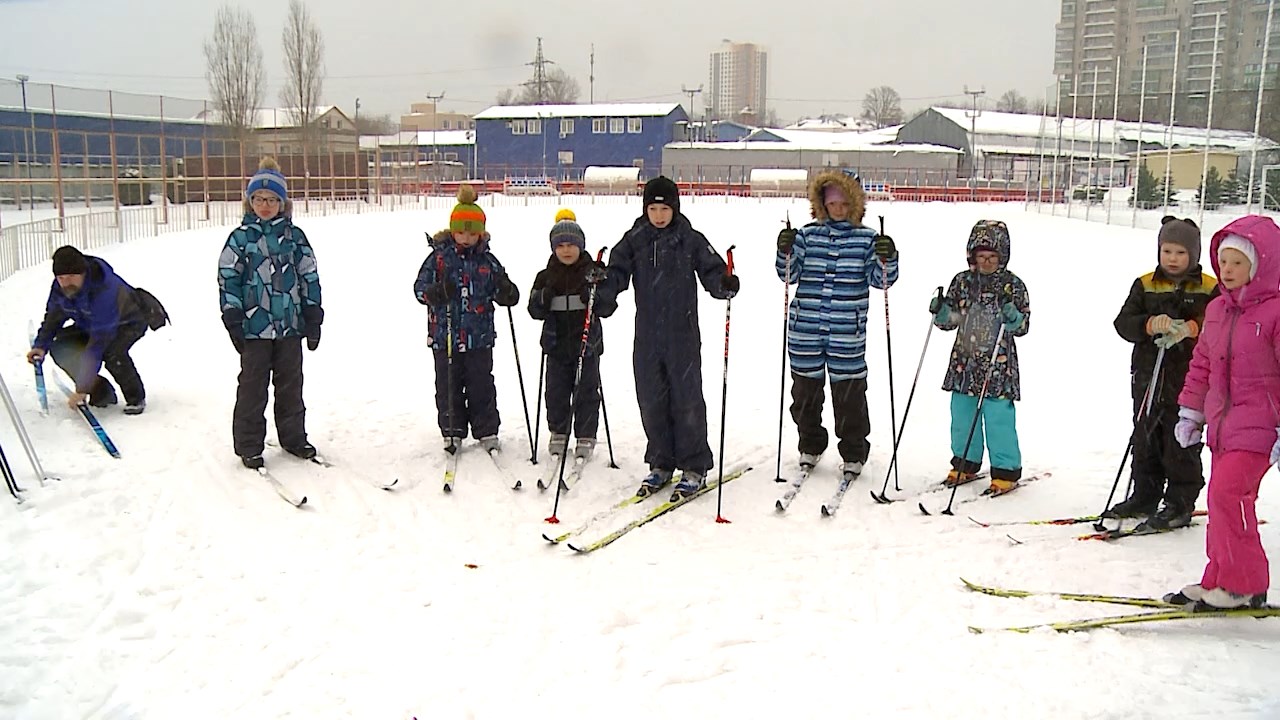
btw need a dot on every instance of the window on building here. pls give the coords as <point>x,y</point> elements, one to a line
<point>517,127</point>
<point>535,126</point>
<point>638,162</point>
<point>566,157</point>
<point>635,125</point>
<point>566,126</point>
<point>599,125</point>
<point>451,157</point>
<point>445,125</point>
<point>617,125</point>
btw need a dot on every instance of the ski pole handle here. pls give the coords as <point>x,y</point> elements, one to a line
<point>729,253</point>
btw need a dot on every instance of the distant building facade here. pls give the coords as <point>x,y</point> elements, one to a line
<point>739,83</point>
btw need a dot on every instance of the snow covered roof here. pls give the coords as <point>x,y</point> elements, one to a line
<point>512,112</point>
<point>419,138</point>
<point>786,146</point>
<point>992,122</point>
<point>271,118</point>
<point>821,140</point>
<point>832,123</point>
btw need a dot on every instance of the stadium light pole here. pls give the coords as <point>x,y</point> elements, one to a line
<point>26,146</point>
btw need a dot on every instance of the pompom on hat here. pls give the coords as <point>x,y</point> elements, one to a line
<point>268,178</point>
<point>567,230</point>
<point>467,215</point>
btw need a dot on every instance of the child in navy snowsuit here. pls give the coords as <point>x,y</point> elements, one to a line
<point>663,254</point>
<point>461,280</point>
<point>1165,309</point>
<point>559,299</point>
<point>979,301</point>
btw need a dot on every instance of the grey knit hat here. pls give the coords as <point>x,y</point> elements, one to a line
<point>1180,232</point>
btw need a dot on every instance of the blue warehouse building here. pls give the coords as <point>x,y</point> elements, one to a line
<point>85,138</point>
<point>560,141</point>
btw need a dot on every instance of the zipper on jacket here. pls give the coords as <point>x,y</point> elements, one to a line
<point>1231,336</point>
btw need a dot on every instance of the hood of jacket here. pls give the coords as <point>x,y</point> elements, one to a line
<point>1265,236</point>
<point>989,234</point>
<point>851,188</point>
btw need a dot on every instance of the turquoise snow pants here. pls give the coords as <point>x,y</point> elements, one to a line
<point>999,426</point>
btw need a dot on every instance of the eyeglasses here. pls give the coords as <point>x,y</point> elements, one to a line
<point>264,200</point>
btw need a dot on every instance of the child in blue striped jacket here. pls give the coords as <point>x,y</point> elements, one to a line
<point>833,261</point>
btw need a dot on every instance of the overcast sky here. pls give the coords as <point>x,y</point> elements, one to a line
<point>392,52</point>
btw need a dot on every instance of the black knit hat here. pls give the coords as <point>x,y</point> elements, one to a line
<point>662,190</point>
<point>69,261</point>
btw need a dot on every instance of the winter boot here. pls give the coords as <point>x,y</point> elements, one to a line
<point>1170,517</point>
<point>1133,507</point>
<point>1188,595</point>
<point>490,444</point>
<point>956,478</point>
<point>1221,599</point>
<point>653,482</point>
<point>809,460</point>
<point>306,451</point>
<point>1001,486</point>
<point>253,462</point>
<point>557,443</point>
<point>135,408</point>
<point>104,394</point>
<point>452,445</point>
<point>584,448</point>
<point>850,471</point>
<point>690,483</point>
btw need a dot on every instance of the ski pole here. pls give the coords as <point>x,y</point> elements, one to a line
<point>608,437</point>
<point>448,329</point>
<point>524,400</point>
<point>888,343</point>
<point>724,394</point>
<point>537,410</point>
<point>9,480</point>
<point>977,415</point>
<point>577,377</point>
<point>23,437</point>
<point>883,497</point>
<point>786,338</point>
<point>1144,409</point>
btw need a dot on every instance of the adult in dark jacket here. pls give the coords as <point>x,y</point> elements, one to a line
<point>559,299</point>
<point>106,320</point>
<point>661,255</point>
<point>1165,308</point>
<point>270,297</point>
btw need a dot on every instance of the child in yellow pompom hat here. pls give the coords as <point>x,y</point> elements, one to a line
<point>561,297</point>
<point>460,281</point>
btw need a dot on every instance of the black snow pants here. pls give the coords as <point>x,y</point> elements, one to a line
<point>278,363</point>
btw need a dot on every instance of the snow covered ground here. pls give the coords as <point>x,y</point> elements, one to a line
<point>172,583</point>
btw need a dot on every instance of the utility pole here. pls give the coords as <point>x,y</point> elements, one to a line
<point>691,93</point>
<point>435,153</point>
<point>541,85</point>
<point>591,77</point>
<point>26,148</point>
<point>973,139</point>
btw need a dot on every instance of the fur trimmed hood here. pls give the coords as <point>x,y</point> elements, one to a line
<point>852,190</point>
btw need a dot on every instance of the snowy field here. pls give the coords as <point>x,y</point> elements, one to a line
<point>173,583</point>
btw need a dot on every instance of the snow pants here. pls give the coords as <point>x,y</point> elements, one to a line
<point>585,414</point>
<point>279,363</point>
<point>68,348</point>
<point>849,405</point>
<point>998,425</point>
<point>475,397</point>
<point>1237,562</point>
<point>672,409</point>
<point>1157,456</point>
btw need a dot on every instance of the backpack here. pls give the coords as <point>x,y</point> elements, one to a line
<point>153,312</point>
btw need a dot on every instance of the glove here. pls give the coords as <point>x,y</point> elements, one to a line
<point>439,293</point>
<point>1275,449</point>
<point>731,285</point>
<point>595,274</point>
<point>786,239</point>
<point>1013,317</point>
<point>885,249</point>
<point>1159,324</point>
<point>1190,428</point>
<point>508,294</point>
<point>233,320</point>
<point>313,316</point>
<point>1178,331</point>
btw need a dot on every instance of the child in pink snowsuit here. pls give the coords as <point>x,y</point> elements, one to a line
<point>1233,388</point>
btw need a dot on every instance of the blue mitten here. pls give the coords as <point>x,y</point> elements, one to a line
<point>1013,317</point>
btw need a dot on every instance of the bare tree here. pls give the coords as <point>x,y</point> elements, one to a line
<point>882,106</point>
<point>557,88</point>
<point>233,68</point>
<point>1012,102</point>
<point>304,70</point>
<point>506,97</point>
<point>375,124</point>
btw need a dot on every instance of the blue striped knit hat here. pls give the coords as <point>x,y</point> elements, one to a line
<point>268,178</point>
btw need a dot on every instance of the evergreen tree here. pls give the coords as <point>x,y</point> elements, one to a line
<point>1210,192</point>
<point>1145,193</point>
<point>1233,189</point>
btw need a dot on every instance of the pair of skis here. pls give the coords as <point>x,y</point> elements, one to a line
<point>988,493</point>
<point>650,514</point>
<point>573,473</point>
<point>451,470</point>
<point>283,490</point>
<point>98,431</point>
<point>1163,611</point>
<point>830,507</point>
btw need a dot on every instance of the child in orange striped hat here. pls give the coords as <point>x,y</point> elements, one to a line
<point>461,281</point>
